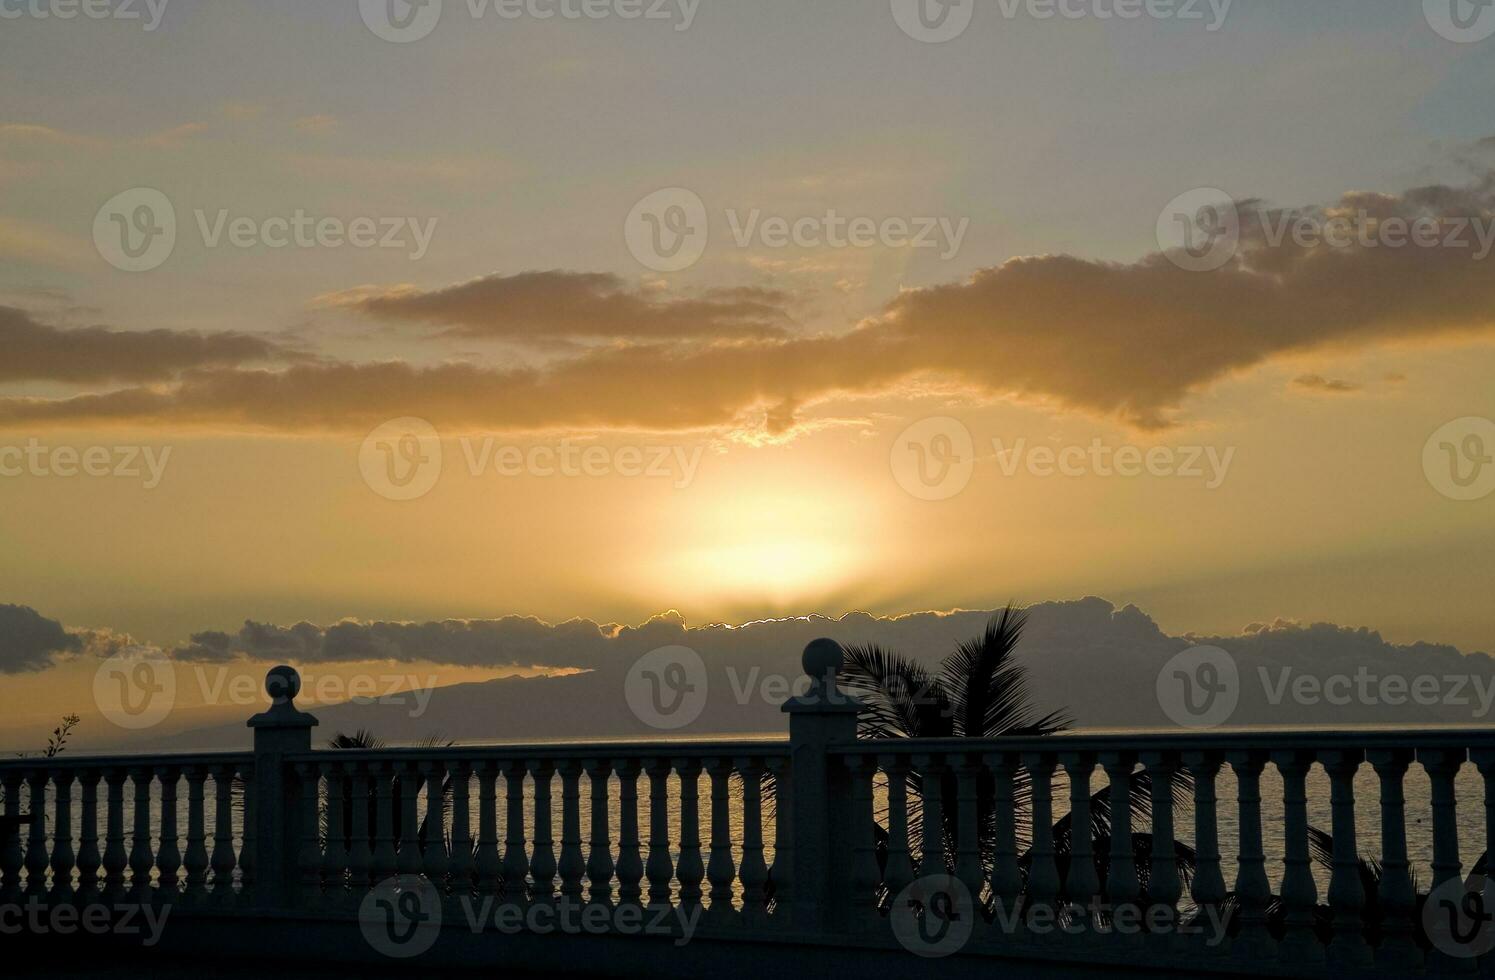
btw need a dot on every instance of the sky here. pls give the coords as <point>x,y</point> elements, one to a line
<point>743,310</point>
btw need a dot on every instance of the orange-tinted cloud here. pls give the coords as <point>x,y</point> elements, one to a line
<point>557,305</point>
<point>35,351</point>
<point>1125,341</point>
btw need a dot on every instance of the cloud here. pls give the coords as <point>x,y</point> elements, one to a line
<point>1327,386</point>
<point>559,305</point>
<point>1120,651</point>
<point>29,641</point>
<point>38,352</point>
<point>1124,341</point>
<point>316,124</point>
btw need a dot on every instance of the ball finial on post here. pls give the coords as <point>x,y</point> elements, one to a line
<point>822,661</point>
<point>282,684</point>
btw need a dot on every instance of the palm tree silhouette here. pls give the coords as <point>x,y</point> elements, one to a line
<point>980,691</point>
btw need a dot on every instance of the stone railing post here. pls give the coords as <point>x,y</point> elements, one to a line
<point>278,732</point>
<point>821,823</point>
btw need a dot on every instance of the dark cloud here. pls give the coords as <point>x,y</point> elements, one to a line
<point>29,641</point>
<point>1329,386</point>
<point>35,351</point>
<point>542,307</point>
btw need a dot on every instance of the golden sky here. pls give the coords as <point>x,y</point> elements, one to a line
<point>907,327</point>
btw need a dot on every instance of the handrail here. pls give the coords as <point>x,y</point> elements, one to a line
<point>1430,738</point>
<point>76,762</point>
<point>558,751</point>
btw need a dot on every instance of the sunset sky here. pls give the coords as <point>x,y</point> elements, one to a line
<point>750,412</point>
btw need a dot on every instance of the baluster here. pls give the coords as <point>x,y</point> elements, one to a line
<point>36,843</point>
<point>1082,883</point>
<point>754,872</point>
<point>309,857</point>
<point>169,854</point>
<point>1122,890</point>
<point>1163,886</point>
<point>62,839</point>
<point>141,857</point>
<point>542,862</point>
<point>386,859</point>
<point>1252,889</point>
<point>630,859</point>
<point>433,837</point>
<point>490,875</point>
<point>689,870</point>
<point>223,833</point>
<point>900,869</point>
<point>968,842</point>
<point>720,870</point>
<point>460,864</point>
<point>1208,886</point>
<point>1043,870</point>
<point>865,876</point>
<point>781,873</point>
<point>1484,760</point>
<point>116,859</point>
<point>932,771</point>
<point>360,848</point>
<point>572,865</point>
<point>408,859</point>
<point>1347,948</point>
<point>659,867</point>
<point>1442,766</point>
<point>1397,898</point>
<point>89,858</point>
<point>1006,876</point>
<point>1299,892</point>
<point>600,857</point>
<point>196,858</point>
<point>515,862</point>
<point>12,857</point>
<point>335,858</point>
<point>246,849</point>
